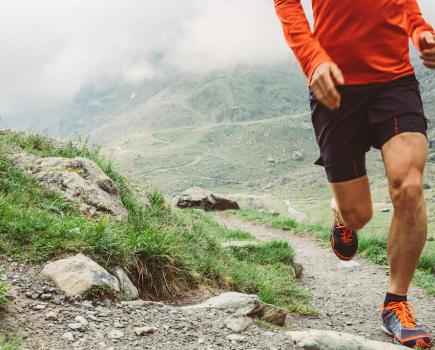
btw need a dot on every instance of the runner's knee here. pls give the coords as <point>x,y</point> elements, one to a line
<point>356,218</point>
<point>407,195</point>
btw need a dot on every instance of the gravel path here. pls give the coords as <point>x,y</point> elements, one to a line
<point>347,295</point>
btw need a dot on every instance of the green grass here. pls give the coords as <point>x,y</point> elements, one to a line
<point>167,252</point>
<point>9,344</point>
<point>3,291</point>
<point>374,247</point>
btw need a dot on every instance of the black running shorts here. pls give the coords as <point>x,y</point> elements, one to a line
<point>369,116</point>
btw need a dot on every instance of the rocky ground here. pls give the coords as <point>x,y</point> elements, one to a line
<point>48,320</point>
<point>347,297</point>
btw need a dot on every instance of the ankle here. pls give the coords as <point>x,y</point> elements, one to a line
<point>392,297</point>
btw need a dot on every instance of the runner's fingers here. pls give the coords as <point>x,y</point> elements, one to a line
<point>337,74</point>
<point>324,90</point>
<point>428,57</point>
<point>429,64</point>
<point>331,91</point>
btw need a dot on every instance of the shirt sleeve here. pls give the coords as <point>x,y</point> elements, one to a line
<point>416,22</point>
<point>299,37</point>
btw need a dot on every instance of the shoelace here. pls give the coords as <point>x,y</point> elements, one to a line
<point>346,233</point>
<point>404,312</point>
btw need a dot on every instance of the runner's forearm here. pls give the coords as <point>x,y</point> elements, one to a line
<point>299,37</point>
<point>416,22</point>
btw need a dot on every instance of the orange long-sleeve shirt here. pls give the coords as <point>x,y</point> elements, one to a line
<point>367,39</point>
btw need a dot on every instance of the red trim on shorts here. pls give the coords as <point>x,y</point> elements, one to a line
<point>355,168</point>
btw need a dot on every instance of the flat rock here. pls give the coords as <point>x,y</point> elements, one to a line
<point>79,274</point>
<point>141,331</point>
<point>199,198</point>
<point>247,303</point>
<point>242,305</point>
<point>329,340</point>
<point>77,179</point>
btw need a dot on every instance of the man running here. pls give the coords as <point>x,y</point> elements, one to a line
<point>363,94</point>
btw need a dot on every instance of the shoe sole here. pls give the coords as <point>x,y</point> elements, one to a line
<point>391,335</point>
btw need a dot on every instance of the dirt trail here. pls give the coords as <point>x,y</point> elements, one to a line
<point>347,295</point>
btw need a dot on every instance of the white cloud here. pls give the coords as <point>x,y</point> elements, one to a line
<point>51,48</point>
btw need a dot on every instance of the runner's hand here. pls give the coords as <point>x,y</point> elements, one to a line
<point>323,82</point>
<point>427,40</point>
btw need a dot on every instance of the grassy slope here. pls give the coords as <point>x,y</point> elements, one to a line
<point>166,251</point>
<point>373,247</point>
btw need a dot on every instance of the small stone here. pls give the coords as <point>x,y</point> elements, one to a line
<point>385,210</point>
<point>69,336</point>
<point>140,331</point>
<point>431,239</point>
<point>46,296</point>
<point>275,316</point>
<point>75,326</point>
<point>81,320</point>
<point>298,269</point>
<point>127,286</point>
<point>238,324</point>
<point>52,315</point>
<point>236,338</point>
<point>39,307</point>
<point>116,334</point>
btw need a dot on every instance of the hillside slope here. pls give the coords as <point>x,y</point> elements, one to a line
<point>171,100</point>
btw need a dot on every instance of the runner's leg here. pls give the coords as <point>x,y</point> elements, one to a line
<point>408,229</point>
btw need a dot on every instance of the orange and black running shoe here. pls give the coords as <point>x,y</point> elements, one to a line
<point>398,321</point>
<point>344,241</point>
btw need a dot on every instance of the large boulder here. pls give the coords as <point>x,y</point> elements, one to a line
<point>78,274</point>
<point>199,198</point>
<point>77,179</point>
<point>329,340</point>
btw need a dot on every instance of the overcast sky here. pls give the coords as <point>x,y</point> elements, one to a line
<point>51,48</point>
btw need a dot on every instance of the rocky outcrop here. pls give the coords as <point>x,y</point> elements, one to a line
<point>78,274</point>
<point>77,179</point>
<point>329,340</point>
<point>199,198</point>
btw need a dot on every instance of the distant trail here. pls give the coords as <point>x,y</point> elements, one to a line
<point>348,298</point>
<point>192,163</point>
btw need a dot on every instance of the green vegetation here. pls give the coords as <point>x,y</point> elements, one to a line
<point>166,251</point>
<point>3,290</point>
<point>9,344</point>
<point>374,247</point>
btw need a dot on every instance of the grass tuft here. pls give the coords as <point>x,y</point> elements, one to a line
<point>3,293</point>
